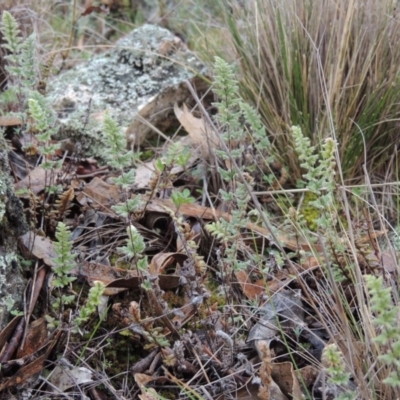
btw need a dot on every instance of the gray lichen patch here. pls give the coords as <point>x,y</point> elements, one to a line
<point>147,67</point>
<point>12,219</point>
<point>12,225</point>
<point>12,285</point>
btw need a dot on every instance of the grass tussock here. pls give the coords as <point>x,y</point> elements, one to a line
<point>330,67</point>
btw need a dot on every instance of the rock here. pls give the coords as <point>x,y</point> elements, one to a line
<point>140,79</point>
<point>12,225</point>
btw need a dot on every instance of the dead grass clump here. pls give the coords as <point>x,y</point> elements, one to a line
<point>330,67</point>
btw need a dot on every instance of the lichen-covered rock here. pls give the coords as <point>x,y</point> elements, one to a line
<point>12,225</point>
<point>144,74</point>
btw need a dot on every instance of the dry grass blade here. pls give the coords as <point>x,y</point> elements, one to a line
<point>324,66</point>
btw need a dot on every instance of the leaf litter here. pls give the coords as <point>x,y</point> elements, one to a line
<point>194,334</point>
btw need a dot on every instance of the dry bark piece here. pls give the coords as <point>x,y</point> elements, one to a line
<point>35,338</point>
<point>30,370</point>
<point>7,332</point>
<point>9,120</point>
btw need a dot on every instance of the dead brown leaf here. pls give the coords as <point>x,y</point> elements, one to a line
<point>310,263</point>
<point>285,377</point>
<point>308,375</point>
<point>150,395</point>
<point>114,277</point>
<point>143,175</point>
<point>286,305</point>
<point>142,380</point>
<point>35,181</point>
<point>162,261</point>
<point>202,135</point>
<point>280,280</point>
<point>248,392</point>
<point>207,213</point>
<point>63,378</point>
<point>41,247</point>
<point>92,9</point>
<point>389,263</point>
<point>99,192</point>
<point>144,172</point>
<point>250,289</point>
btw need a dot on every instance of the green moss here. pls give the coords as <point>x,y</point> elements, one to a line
<point>147,155</point>
<point>118,263</point>
<point>309,212</point>
<point>173,299</point>
<point>212,285</point>
<point>168,394</point>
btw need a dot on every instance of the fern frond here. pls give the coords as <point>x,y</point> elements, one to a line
<point>28,61</point>
<point>45,70</point>
<point>117,156</point>
<point>94,299</point>
<point>63,204</point>
<point>65,261</point>
<point>22,60</point>
<point>11,32</point>
<point>227,89</point>
<point>43,118</point>
<point>39,116</point>
<point>226,85</point>
<point>48,110</point>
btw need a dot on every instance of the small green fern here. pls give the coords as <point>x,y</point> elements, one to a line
<point>135,246</point>
<point>43,120</point>
<point>117,155</point>
<point>386,322</point>
<point>64,263</point>
<point>93,300</point>
<point>22,62</point>
<point>23,72</point>
<point>10,30</point>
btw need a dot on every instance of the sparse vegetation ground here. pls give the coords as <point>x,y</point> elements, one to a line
<point>262,263</point>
